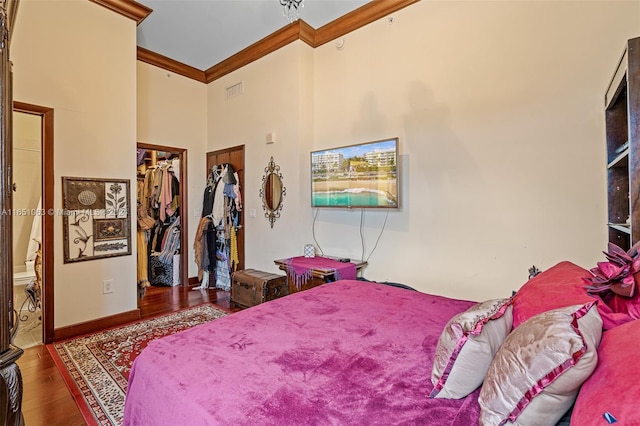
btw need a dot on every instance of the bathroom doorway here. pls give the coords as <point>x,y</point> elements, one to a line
<point>33,224</point>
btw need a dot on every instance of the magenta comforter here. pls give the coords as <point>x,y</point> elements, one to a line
<point>345,353</point>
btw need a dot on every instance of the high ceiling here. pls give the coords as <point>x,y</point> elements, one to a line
<point>203,33</point>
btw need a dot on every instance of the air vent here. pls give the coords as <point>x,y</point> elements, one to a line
<point>234,90</point>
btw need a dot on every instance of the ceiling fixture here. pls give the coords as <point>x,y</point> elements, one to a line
<point>291,8</point>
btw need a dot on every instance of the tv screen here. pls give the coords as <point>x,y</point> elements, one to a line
<point>356,176</point>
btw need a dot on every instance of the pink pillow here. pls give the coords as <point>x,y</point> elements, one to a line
<point>466,347</point>
<point>613,387</point>
<point>618,310</point>
<point>537,372</point>
<point>559,286</point>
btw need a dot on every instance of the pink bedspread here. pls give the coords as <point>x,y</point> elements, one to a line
<point>349,352</point>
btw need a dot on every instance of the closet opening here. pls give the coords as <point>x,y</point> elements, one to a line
<point>219,243</point>
<point>161,208</point>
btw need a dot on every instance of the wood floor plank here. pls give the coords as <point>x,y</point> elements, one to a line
<point>46,399</point>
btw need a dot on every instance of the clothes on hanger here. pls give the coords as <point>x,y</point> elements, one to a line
<point>216,242</point>
<point>158,218</point>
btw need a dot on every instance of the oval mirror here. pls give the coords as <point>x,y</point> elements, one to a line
<point>272,192</point>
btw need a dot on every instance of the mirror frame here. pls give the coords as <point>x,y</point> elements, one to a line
<point>272,212</point>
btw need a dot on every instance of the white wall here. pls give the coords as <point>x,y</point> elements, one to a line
<point>277,98</point>
<point>498,107</point>
<point>79,58</point>
<point>172,112</point>
<point>27,174</point>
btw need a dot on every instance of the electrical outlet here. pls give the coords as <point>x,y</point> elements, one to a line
<point>107,286</point>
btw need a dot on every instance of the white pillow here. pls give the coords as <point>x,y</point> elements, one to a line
<point>467,346</point>
<point>537,372</point>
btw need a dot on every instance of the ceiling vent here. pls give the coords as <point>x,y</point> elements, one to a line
<point>234,90</point>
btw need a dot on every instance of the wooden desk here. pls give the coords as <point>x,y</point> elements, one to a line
<point>319,275</point>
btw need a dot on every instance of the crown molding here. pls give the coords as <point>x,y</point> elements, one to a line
<point>298,30</point>
<point>358,18</point>
<point>129,8</point>
<point>156,59</point>
<point>261,48</point>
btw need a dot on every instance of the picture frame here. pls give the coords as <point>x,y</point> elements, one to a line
<point>96,218</point>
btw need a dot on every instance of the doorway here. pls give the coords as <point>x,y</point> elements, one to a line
<point>35,150</point>
<point>235,157</point>
<point>157,263</point>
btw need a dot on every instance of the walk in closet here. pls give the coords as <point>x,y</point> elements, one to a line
<point>160,223</point>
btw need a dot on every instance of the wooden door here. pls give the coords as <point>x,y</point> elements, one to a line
<point>235,157</point>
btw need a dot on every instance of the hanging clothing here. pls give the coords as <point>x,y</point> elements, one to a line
<point>165,198</point>
<point>158,216</point>
<point>199,246</point>
<point>175,165</point>
<point>170,243</point>
<point>207,202</point>
<point>216,238</point>
<point>223,276</point>
<point>217,210</point>
<point>233,250</point>
<point>143,261</point>
<point>236,189</point>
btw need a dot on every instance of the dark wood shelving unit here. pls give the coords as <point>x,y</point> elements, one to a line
<point>622,122</point>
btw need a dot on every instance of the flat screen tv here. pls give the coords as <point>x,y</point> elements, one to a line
<point>356,176</point>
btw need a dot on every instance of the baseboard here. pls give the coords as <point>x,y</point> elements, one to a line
<point>194,280</point>
<point>95,325</point>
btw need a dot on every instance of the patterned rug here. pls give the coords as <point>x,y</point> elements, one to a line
<point>96,367</point>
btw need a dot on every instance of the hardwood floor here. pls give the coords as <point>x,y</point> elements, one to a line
<point>46,399</point>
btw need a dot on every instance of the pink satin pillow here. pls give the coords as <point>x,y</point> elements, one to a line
<point>559,286</point>
<point>535,375</point>
<point>466,347</point>
<point>614,386</point>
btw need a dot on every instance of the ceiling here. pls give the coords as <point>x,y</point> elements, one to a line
<point>203,33</point>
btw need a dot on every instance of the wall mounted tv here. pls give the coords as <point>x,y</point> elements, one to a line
<point>356,176</point>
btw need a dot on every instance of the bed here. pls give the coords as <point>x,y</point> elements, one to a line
<point>348,352</point>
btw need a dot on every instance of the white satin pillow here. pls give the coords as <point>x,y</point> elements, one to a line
<point>537,372</point>
<point>466,347</point>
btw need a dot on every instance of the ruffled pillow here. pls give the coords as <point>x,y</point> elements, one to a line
<point>535,375</point>
<point>466,347</point>
<point>615,281</point>
<point>559,286</point>
<point>613,388</point>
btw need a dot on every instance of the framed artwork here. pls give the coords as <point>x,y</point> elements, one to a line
<point>96,218</point>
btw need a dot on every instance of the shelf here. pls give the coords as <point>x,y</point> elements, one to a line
<point>622,160</point>
<point>618,82</point>
<point>622,109</point>
<point>622,227</point>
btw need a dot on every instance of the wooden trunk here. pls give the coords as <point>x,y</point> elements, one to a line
<point>250,287</point>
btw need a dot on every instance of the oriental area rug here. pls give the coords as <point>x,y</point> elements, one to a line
<point>96,366</point>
